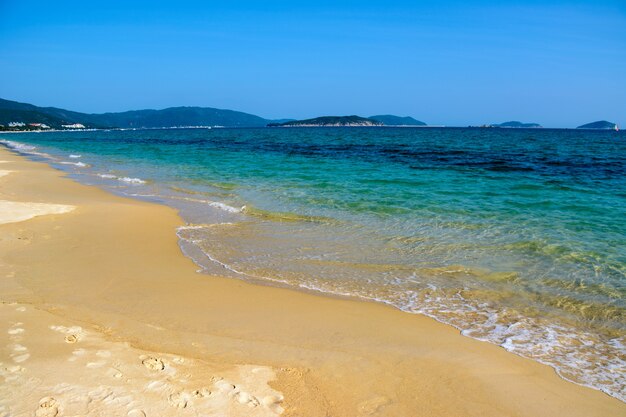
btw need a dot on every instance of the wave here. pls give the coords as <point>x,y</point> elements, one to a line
<point>127,180</point>
<point>21,147</point>
<point>130,180</point>
<point>24,148</point>
<point>225,207</point>
<point>78,164</point>
<point>107,176</point>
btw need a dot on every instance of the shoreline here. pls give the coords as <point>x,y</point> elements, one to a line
<point>126,274</point>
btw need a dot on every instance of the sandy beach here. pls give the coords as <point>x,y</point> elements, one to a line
<point>103,315</point>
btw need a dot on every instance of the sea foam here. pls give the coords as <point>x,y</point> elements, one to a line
<point>129,180</point>
<point>77,164</point>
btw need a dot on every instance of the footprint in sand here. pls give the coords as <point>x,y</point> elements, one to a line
<point>115,373</point>
<point>153,364</point>
<point>71,338</point>
<point>247,399</point>
<point>273,402</point>
<point>94,365</point>
<point>232,391</point>
<point>183,399</point>
<point>14,368</point>
<point>201,393</point>
<point>224,386</point>
<point>136,413</point>
<point>179,399</point>
<point>48,407</point>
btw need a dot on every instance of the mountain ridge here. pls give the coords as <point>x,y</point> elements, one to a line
<point>13,111</point>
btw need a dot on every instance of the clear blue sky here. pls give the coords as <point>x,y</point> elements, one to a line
<point>558,63</point>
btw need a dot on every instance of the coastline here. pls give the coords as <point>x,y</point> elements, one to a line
<point>118,271</point>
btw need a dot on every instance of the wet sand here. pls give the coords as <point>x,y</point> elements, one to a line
<point>110,272</point>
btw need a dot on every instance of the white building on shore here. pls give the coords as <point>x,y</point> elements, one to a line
<point>74,126</point>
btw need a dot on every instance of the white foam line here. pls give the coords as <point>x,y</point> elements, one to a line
<point>130,180</point>
<point>78,164</point>
<point>202,226</point>
<point>25,149</point>
<point>225,207</point>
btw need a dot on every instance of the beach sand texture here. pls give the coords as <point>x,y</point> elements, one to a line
<point>101,314</point>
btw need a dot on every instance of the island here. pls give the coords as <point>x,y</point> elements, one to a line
<point>516,124</point>
<point>602,124</point>
<point>391,120</point>
<point>330,121</point>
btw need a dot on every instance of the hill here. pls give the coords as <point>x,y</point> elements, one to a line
<point>12,111</point>
<point>329,121</point>
<point>180,116</point>
<point>602,124</point>
<point>391,120</point>
<point>518,125</point>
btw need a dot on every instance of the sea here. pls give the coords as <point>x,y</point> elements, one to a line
<point>516,237</point>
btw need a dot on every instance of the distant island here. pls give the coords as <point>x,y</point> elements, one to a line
<point>512,124</point>
<point>602,124</point>
<point>517,124</point>
<point>351,121</point>
<point>391,120</point>
<point>330,121</point>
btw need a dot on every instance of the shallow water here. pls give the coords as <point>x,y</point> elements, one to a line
<point>516,237</point>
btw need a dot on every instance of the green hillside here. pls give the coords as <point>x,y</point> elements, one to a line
<point>12,111</point>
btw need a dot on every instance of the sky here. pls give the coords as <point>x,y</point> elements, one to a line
<point>455,63</point>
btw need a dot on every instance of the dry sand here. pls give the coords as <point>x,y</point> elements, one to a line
<point>102,315</point>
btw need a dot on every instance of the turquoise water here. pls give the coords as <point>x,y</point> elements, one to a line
<point>516,237</point>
